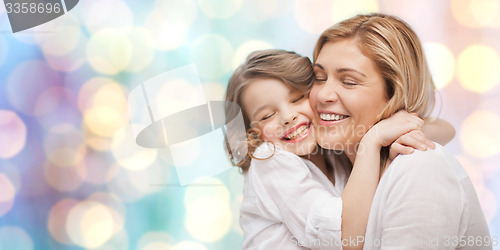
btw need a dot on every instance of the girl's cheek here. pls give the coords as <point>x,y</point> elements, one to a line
<point>309,102</point>
<point>275,132</point>
<point>267,133</point>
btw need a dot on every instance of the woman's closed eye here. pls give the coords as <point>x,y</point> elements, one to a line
<point>349,82</point>
<point>319,79</point>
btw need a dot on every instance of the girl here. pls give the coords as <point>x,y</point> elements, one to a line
<point>291,202</point>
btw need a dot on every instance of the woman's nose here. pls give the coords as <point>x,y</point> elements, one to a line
<point>328,93</point>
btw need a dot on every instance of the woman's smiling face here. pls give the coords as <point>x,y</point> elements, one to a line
<point>283,114</point>
<point>347,96</point>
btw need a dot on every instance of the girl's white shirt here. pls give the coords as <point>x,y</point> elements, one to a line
<point>288,203</point>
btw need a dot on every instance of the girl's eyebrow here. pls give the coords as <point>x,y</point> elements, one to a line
<point>259,109</point>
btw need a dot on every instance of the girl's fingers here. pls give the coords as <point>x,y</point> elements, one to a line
<point>413,141</point>
<point>412,118</point>
<point>419,121</point>
<point>419,135</point>
<point>397,149</point>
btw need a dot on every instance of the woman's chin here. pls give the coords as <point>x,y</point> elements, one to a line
<point>329,143</point>
<point>339,144</point>
<point>338,139</point>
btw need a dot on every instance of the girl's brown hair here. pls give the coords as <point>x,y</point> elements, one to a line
<point>287,66</point>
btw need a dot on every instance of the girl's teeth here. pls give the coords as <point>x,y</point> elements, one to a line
<point>297,132</point>
<point>332,117</point>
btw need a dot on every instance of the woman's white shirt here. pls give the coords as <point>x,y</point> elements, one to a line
<point>288,203</point>
<point>426,200</point>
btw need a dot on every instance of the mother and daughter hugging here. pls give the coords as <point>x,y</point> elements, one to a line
<point>338,150</point>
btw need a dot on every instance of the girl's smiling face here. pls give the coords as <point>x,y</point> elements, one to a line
<point>282,114</point>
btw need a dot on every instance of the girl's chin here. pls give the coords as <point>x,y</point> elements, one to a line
<point>300,150</point>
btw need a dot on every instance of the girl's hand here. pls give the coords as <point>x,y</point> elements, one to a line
<point>438,130</point>
<point>385,132</point>
<point>406,144</point>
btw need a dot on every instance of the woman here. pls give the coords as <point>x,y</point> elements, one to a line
<point>367,68</point>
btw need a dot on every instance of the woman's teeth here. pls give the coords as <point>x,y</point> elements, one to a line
<point>332,117</point>
<point>298,132</point>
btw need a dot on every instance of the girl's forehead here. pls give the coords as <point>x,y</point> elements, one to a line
<point>266,91</point>
<point>269,85</point>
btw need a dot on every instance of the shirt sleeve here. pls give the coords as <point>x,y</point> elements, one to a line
<point>420,202</point>
<point>312,214</point>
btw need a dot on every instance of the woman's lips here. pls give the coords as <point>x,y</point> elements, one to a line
<point>297,133</point>
<point>328,118</point>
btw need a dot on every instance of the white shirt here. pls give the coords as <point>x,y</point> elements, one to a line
<point>426,200</point>
<point>288,203</point>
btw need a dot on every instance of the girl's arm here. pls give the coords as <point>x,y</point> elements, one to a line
<point>435,129</point>
<point>358,193</point>
<point>438,130</point>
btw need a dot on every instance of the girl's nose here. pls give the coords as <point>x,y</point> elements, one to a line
<point>288,118</point>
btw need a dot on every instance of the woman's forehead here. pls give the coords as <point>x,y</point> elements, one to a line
<point>342,56</point>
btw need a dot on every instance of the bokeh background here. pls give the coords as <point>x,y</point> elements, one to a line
<point>71,176</point>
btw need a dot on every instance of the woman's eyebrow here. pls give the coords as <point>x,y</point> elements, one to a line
<point>319,66</point>
<point>340,70</point>
<point>349,70</point>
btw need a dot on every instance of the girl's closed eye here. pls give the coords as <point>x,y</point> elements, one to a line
<point>298,98</point>
<point>267,117</point>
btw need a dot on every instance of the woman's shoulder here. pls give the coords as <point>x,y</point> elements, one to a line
<point>431,161</point>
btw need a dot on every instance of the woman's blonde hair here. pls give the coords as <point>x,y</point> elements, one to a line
<point>398,55</point>
<point>289,67</point>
